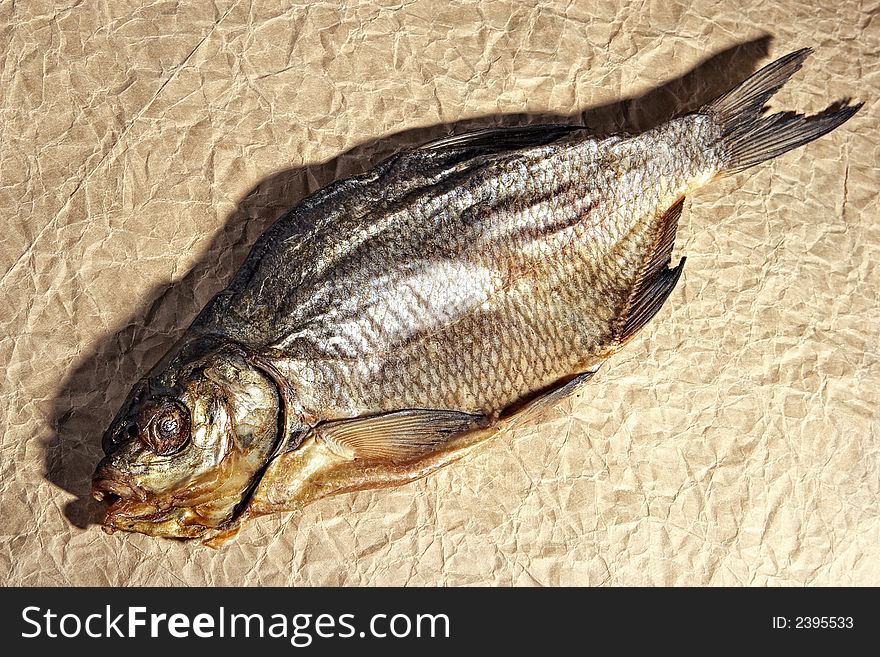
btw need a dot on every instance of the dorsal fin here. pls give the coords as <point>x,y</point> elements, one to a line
<point>655,281</point>
<point>493,140</point>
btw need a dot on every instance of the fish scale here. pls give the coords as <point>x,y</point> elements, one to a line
<point>493,395</point>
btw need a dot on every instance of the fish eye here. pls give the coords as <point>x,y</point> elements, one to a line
<point>168,430</point>
<point>168,426</point>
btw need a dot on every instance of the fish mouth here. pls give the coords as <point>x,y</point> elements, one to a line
<point>132,509</point>
<point>147,518</point>
<point>109,482</point>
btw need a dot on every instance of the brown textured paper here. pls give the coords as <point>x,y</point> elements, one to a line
<point>145,146</point>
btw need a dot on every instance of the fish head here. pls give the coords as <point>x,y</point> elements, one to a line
<point>188,446</point>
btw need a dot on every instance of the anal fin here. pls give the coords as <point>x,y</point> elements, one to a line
<point>655,280</point>
<point>397,437</point>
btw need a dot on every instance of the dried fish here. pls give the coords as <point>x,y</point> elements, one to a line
<point>394,321</point>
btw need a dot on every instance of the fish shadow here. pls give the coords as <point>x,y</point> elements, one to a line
<point>98,383</point>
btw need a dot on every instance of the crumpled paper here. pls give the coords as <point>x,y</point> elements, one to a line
<point>145,147</point>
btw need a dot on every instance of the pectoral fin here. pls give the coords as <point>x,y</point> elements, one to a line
<point>398,437</point>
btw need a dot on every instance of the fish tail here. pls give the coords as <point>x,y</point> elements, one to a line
<point>748,139</point>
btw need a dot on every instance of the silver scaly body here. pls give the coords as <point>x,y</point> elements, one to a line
<point>501,277</point>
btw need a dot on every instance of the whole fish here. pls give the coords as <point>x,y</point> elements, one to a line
<point>394,321</point>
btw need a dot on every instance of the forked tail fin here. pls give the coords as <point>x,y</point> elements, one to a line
<point>749,139</point>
